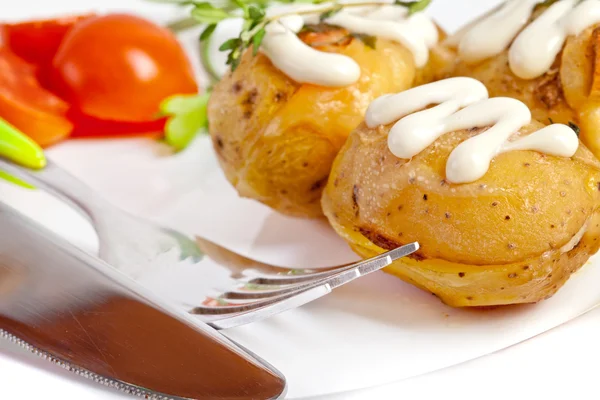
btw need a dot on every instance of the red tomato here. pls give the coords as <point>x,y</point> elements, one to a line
<point>3,37</point>
<point>120,67</point>
<point>87,126</point>
<point>37,41</point>
<point>26,105</point>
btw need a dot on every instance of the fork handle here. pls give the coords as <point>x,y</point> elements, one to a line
<point>60,183</point>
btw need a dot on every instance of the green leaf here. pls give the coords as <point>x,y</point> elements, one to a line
<point>253,24</point>
<point>241,4</point>
<point>256,13</point>
<point>189,248</point>
<point>182,25</point>
<point>330,13</point>
<point>207,32</point>
<point>234,58</point>
<point>187,116</point>
<point>234,62</point>
<point>546,3</point>
<point>257,40</point>
<point>575,127</point>
<point>413,6</point>
<point>308,28</point>
<point>207,62</point>
<point>209,14</point>
<point>245,37</point>
<point>369,41</point>
<point>230,44</point>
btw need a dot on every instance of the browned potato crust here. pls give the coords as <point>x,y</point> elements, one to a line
<point>276,139</point>
<point>491,242</point>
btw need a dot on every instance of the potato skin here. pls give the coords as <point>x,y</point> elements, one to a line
<point>276,139</point>
<point>564,94</point>
<point>544,95</point>
<point>494,241</point>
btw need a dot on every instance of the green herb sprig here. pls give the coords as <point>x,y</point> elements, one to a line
<point>575,127</point>
<point>571,124</point>
<point>255,19</point>
<point>546,3</point>
<point>414,6</point>
<point>187,115</point>
<point>368,40</point>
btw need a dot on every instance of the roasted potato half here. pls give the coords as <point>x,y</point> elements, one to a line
<point>568,93</point>
<point>276,139</point>
<point>514,236</point>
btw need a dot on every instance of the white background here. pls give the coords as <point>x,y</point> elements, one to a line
<point>558,363</point>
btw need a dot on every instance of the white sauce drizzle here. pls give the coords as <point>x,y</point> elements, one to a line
<point>463,103</point>
<point>304,64</point>
<point>494,33</point>
<point>534,50</point>
<point>417,33</point>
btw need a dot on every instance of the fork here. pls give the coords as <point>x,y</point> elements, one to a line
<point>136,246</point>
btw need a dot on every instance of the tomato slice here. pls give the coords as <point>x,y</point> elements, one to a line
<point>88,126</point>
<point>121,67</point>
<point>37,41</point>
<point>28,106</point>
<point>117,99</point>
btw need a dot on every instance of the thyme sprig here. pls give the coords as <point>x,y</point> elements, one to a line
<point>255,19</point>
<point>546,3</point>
<point>414,6</point>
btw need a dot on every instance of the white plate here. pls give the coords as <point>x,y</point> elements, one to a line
<point>375,331</point>
<point>372,332</point>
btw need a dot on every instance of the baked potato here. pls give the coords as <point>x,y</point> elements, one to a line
<point>513,236</point>
<point>276,139</point>
<point>567,93</point>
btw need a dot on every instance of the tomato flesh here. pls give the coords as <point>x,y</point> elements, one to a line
<point>26,105</point>
<point>120,67</point>
<point>113,71</point>
<point>37,41</point>
<point>88,126</point>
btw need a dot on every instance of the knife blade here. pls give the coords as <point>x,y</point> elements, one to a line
<point>70,307</point>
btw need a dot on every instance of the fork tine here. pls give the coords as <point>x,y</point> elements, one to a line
<point>235,307</point>
<point>254,278</point>
<point>276,285</point>
<point>271,309</point>
<point>258,278</point>
<point>249,271</point>
<point>243,313</point>
<point>261,294</point>
<point>257,311</point>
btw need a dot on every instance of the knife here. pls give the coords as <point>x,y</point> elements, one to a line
<point>73,309</point>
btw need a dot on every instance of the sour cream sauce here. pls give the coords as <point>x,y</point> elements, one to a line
<point>418,33</point>
<point>463,103</point>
